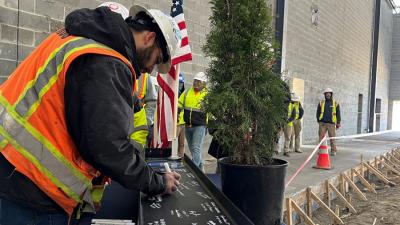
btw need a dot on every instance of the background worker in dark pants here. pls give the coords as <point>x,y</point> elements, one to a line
<point>295,139</point>
<point>328,117</point>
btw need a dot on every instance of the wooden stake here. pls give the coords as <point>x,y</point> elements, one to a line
<point>302,214</point>
<point>328,194</point>
<point>341,185</point>
<point>327,209</point>
<point>378,174</point>
<point>289,211</point>
<point>364,182</point>
<point>337,212</point>
<point>309,203</point>
<point>355,188</point>
<point>361,165</point>
<point>340,196</point>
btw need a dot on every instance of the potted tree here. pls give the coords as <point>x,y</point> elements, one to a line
<point>247,102</point>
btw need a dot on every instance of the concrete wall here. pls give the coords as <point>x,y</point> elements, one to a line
<point>336,53</point>
<point>394,90</point>
<point>36,19</point>
<point>384,61</point>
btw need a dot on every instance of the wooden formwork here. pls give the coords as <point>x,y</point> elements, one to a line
<point>340,185</point>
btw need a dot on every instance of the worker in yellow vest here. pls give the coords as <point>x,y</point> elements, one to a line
<point>295,139</point>
<point>140,128</point>
<point>195,119</point>
<point>66,114</point>
<point>288,129</point>
<point>146,92</point>
<point>328,117</point>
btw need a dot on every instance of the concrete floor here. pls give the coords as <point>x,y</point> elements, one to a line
<point>349,154</point>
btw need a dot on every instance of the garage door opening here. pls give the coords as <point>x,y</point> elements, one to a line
<point>396,115</point>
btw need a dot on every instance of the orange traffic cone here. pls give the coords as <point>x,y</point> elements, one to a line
<point>323,161</point>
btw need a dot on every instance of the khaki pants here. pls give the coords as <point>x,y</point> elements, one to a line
<point>180,132</point>
<point>288,131</point>
<point>331,128</point>
<point>295,139</point>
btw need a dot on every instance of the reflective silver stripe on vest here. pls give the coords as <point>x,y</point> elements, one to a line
<point>41,153</point>
<point>143,127</point>
<point>193,109</point>
<point>56,63</point>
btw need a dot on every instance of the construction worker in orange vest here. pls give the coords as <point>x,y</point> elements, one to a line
<point>66,114</point>
<point>328,117</point>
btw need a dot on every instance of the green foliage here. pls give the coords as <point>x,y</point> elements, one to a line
<point>244,93</point>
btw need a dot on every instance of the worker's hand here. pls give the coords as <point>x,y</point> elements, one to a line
<point>338,126</point>
<point>172,182</point>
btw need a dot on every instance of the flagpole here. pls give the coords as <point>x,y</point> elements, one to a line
<point>176,91</point>
<point>174,143</point>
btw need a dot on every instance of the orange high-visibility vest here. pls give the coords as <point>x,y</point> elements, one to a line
<point>33,129</point>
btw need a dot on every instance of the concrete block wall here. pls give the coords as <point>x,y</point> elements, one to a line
<point>36,19</point>
<point>394,90</point>
<point>336,53</point>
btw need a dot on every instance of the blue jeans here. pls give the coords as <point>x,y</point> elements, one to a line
<point>195,137</point>
<point>14,214</point>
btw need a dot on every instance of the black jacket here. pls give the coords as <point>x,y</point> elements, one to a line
<point>327,117</point>
<point>99,113</point>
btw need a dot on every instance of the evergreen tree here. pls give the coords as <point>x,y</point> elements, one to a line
<point>245,97</point>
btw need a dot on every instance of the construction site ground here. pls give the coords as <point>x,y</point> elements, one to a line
<point>380,209</point>
<point>384,206</point>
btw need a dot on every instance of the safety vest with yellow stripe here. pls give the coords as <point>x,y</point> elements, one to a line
<point>33,130</point>
<point>290,110</point>
<point>334,106</point>
<point>297,110</point>
<point>140,130</point>
<point>190,103</point>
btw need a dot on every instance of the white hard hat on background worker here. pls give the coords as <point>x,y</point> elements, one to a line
<point>327,90</point>
<point>201,76</point>
<point>169,30</point>
<point>294,97</point>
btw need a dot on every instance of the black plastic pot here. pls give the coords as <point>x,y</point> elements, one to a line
<point>257,190</point>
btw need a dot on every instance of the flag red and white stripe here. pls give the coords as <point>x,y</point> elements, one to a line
<point>166,114</point>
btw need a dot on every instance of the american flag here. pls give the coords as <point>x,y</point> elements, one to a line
<point>167,95</point>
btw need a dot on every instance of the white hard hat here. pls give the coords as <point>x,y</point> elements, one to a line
<point>294,97</point>
<point>201,77</point>
<point>169,29</point>
<point>118,8</point>
<point>328,90</point>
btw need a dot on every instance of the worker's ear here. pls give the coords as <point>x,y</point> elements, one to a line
<point>149,39</point>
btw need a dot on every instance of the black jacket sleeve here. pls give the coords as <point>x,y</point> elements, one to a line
<point>301,111</point>
<point>318,111</point>
<point>338,118</point>
<point>99,112</point>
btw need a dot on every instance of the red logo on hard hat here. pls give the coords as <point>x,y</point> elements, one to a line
<point>113,7</point>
